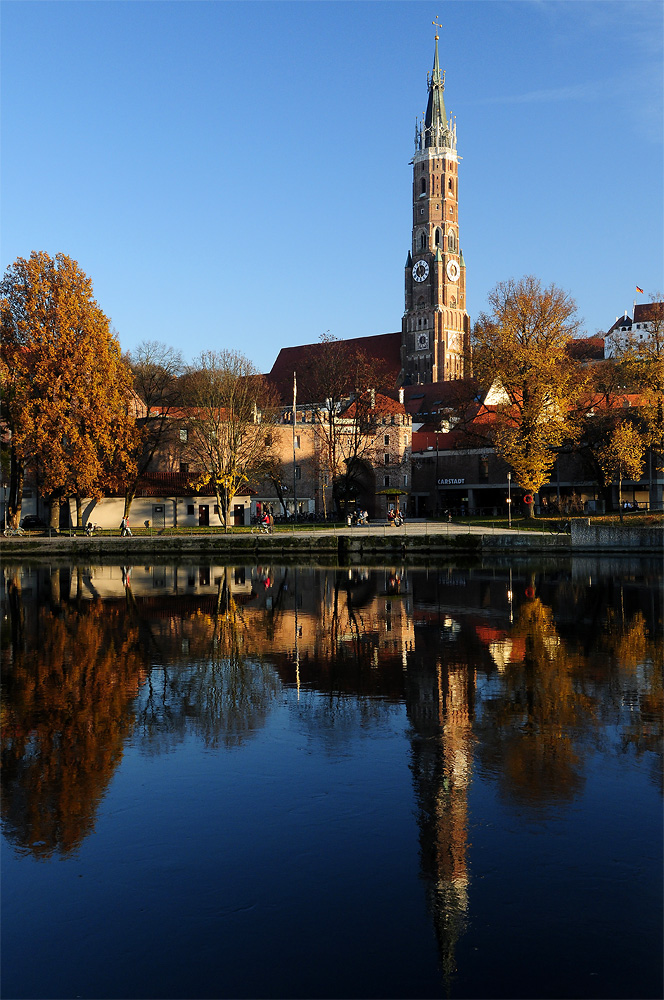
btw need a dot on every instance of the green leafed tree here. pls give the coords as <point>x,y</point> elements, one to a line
<point>520,353</point>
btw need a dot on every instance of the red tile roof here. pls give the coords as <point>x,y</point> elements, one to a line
<point>442,441</point>
<point>649,312</point>
<point>586,349</point>
<point>436,397</point>
<point>384,348</point>
<point>384,406</point>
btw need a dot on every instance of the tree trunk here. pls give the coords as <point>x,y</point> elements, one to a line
<point>54,520</point>
<point>129,498</point>
<point>79,518</point>
<point>219,497</point>
<point>15,499</point>
<point>54,581</point>
<point>620,506</point>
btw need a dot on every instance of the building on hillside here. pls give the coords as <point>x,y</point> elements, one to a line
<point>646,326</point>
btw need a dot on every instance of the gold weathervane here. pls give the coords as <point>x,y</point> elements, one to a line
<point>436,25</point>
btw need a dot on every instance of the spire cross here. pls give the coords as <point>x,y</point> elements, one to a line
<point>435,23</point>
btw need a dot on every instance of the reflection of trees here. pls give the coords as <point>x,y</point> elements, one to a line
<point>71,674</point>
<point>68,682</point>
<point>220,688</point>
<point>635,660</point>
<point>556,693</point>
<point>222,700</point>
<point>531,728</point>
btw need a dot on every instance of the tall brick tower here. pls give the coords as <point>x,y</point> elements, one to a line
<point>436,327</point>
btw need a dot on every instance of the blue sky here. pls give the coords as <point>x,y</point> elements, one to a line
<point>237,174</point>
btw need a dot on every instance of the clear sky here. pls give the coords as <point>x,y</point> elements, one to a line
<point>237,174</point>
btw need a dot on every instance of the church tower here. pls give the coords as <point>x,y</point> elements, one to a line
<point>435,329</point>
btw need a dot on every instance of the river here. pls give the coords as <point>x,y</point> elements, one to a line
<point>278,781</point>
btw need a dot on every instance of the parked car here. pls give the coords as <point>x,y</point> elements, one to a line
<point>33,523</point>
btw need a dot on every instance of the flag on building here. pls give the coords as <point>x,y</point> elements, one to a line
<point>639,290</point>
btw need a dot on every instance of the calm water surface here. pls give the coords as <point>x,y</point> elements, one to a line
<point>258,781</point>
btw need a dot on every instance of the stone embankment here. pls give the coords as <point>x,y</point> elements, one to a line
<point>419,540</point>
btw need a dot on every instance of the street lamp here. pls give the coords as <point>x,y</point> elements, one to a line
<point>509,499</point>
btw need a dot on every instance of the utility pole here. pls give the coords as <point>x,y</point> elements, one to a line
<point>509,499</point>
<point>437,490</point>
<point>294,466</point>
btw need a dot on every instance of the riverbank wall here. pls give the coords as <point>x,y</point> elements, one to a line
<point>342,548</point>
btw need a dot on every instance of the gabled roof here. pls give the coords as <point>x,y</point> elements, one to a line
<point>385,348</point>
<point>649,312</point>
<point>621,323</point>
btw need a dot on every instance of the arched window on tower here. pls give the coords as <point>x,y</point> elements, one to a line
<point>437,237</point>
<point>423,186</point>
<point>423,241</point>
<point>450,185</point>
<point>451,242</point>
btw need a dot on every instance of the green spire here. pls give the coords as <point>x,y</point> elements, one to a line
<point>435,122</point>
<point>437,131</point>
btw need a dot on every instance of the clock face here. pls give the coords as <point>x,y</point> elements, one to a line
<point>421,270</point>
<point>422,341</point>
<point>452,270</point>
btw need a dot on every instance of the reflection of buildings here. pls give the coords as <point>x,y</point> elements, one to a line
<point>469,652</point>
<point>439,698</point>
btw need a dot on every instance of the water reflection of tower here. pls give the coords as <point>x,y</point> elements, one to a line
<point>440,701</point>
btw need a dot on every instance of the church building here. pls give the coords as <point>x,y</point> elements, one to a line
<point>436,327</point>
<point>435,331</point>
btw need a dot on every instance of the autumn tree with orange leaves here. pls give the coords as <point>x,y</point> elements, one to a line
<point>66,388</point>
<point>520,350</point>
